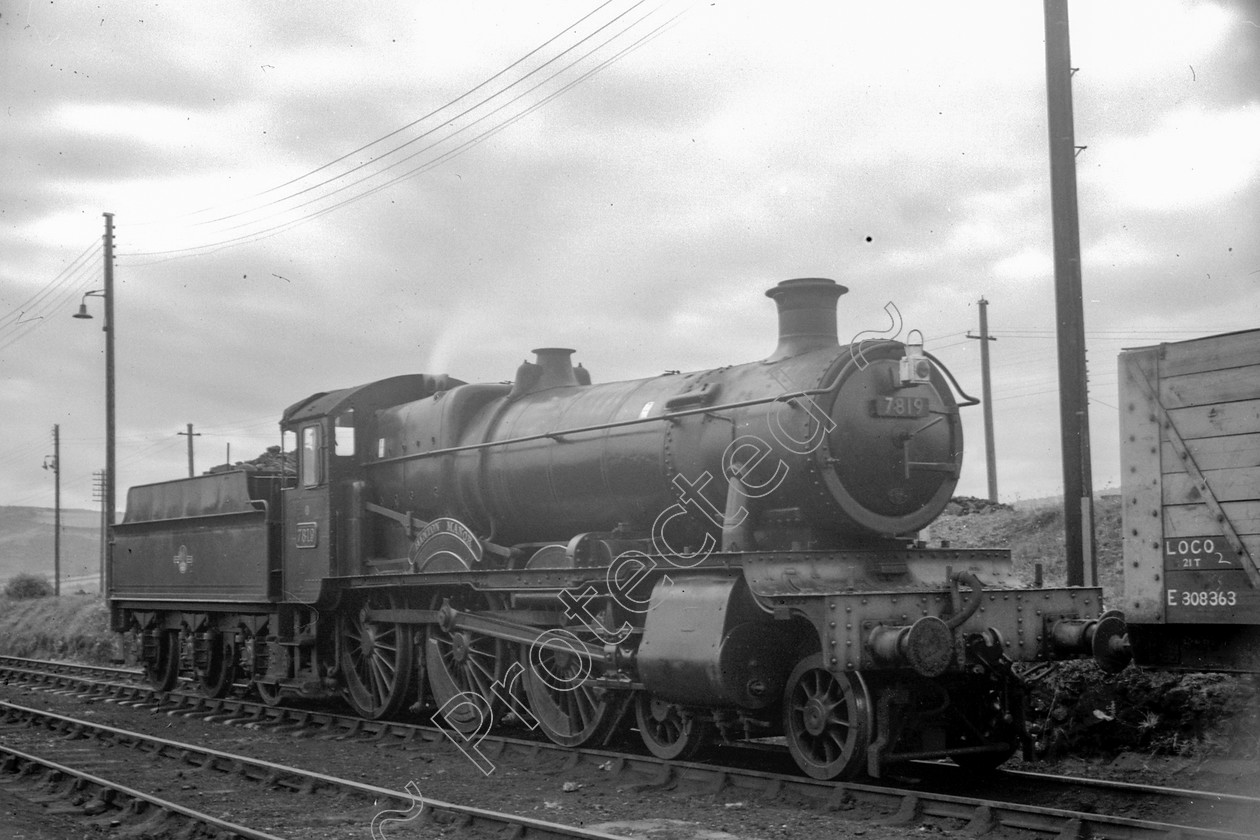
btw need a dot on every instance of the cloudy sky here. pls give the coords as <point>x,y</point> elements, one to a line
<point>313,196</point>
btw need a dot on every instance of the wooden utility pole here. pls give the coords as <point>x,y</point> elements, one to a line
<point>98,495</point>
<point>191,434</point>
<point>987,396</point>
<point>1078,493</point>
<point>107,295</point>
<point>111,473</point>
<point>55,466</point>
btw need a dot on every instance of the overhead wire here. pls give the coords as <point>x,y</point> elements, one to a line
<point>23,452</point>
<point>453,119</point>
<point>215,247</point>
<point>78,477</point>
<point>541,103</point>
<point>212,247</point>
<point>415,122</point>
<point>29,314</point>
<point>74,279</point>
<point>60,301</point>
<point>16,313</point>
<point>50,297</point>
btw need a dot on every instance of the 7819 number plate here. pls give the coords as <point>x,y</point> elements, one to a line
<point>307,535</point>
<point>899,406</point>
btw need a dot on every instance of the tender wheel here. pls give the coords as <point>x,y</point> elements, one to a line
<point>269,694</point>
<point>215,680</point>
<point>569,710</point>
<point>377,660</point>
<point>163,673</point>
<point>827,720</point>
<point>463,667</point>
<point>669,731</point>
<point>258,654</point>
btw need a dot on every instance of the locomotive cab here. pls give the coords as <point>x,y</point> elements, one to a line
<point>323,512</point>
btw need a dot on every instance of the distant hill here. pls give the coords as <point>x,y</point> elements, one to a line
<point>26,545</point>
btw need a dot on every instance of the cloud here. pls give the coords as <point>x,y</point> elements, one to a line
<point>1191,159</point>
<point>639,217</point>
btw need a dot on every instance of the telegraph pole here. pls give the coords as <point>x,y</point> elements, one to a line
<point>107,295</point>
<point>987,395</point>
<point>1078,493</point>
<point>110,472</point>
<point>191,434</point>
<point>56,471</point>
<point>98,495</point>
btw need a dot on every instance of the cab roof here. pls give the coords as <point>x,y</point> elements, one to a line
<point>370,397</point>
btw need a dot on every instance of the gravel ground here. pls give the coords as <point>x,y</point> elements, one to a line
<point>21,819</point>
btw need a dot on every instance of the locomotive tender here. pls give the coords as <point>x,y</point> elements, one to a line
<point>706,557</point>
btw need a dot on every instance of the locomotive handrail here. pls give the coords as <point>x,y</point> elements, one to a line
<point>615,424</point>
<point>967,399</point>
<point>668,416</point>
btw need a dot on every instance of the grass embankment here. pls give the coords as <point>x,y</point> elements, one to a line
<point>70,627</point>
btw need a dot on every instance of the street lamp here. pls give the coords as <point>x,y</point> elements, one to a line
<point>107,294</point>
<point>83,310</point>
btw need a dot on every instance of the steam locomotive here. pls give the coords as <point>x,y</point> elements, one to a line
<point>707,558</point>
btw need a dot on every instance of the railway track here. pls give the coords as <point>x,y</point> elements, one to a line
<point>236,779</point>
<point>1009,799</point>
<point>105,803</point>
<point>49,668</point>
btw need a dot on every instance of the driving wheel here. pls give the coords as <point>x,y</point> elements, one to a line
<point>377,660</point>
<point>569,708</point>
<point>463,666</point>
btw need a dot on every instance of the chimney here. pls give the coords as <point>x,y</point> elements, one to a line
<point>556,368</point>
<point>807,315</point>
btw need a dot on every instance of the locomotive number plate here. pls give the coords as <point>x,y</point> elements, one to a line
<point>307,535</point>
<point>900,406</point>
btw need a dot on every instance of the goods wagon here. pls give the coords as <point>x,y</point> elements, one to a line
<point>1190,465</point>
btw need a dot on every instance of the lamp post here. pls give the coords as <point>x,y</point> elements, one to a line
<point>108,295</point>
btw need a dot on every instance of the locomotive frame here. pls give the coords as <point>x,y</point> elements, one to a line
<point>709,557</point>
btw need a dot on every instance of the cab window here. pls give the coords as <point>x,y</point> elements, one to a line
<point>343,434</point>
<point>312,475</point>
